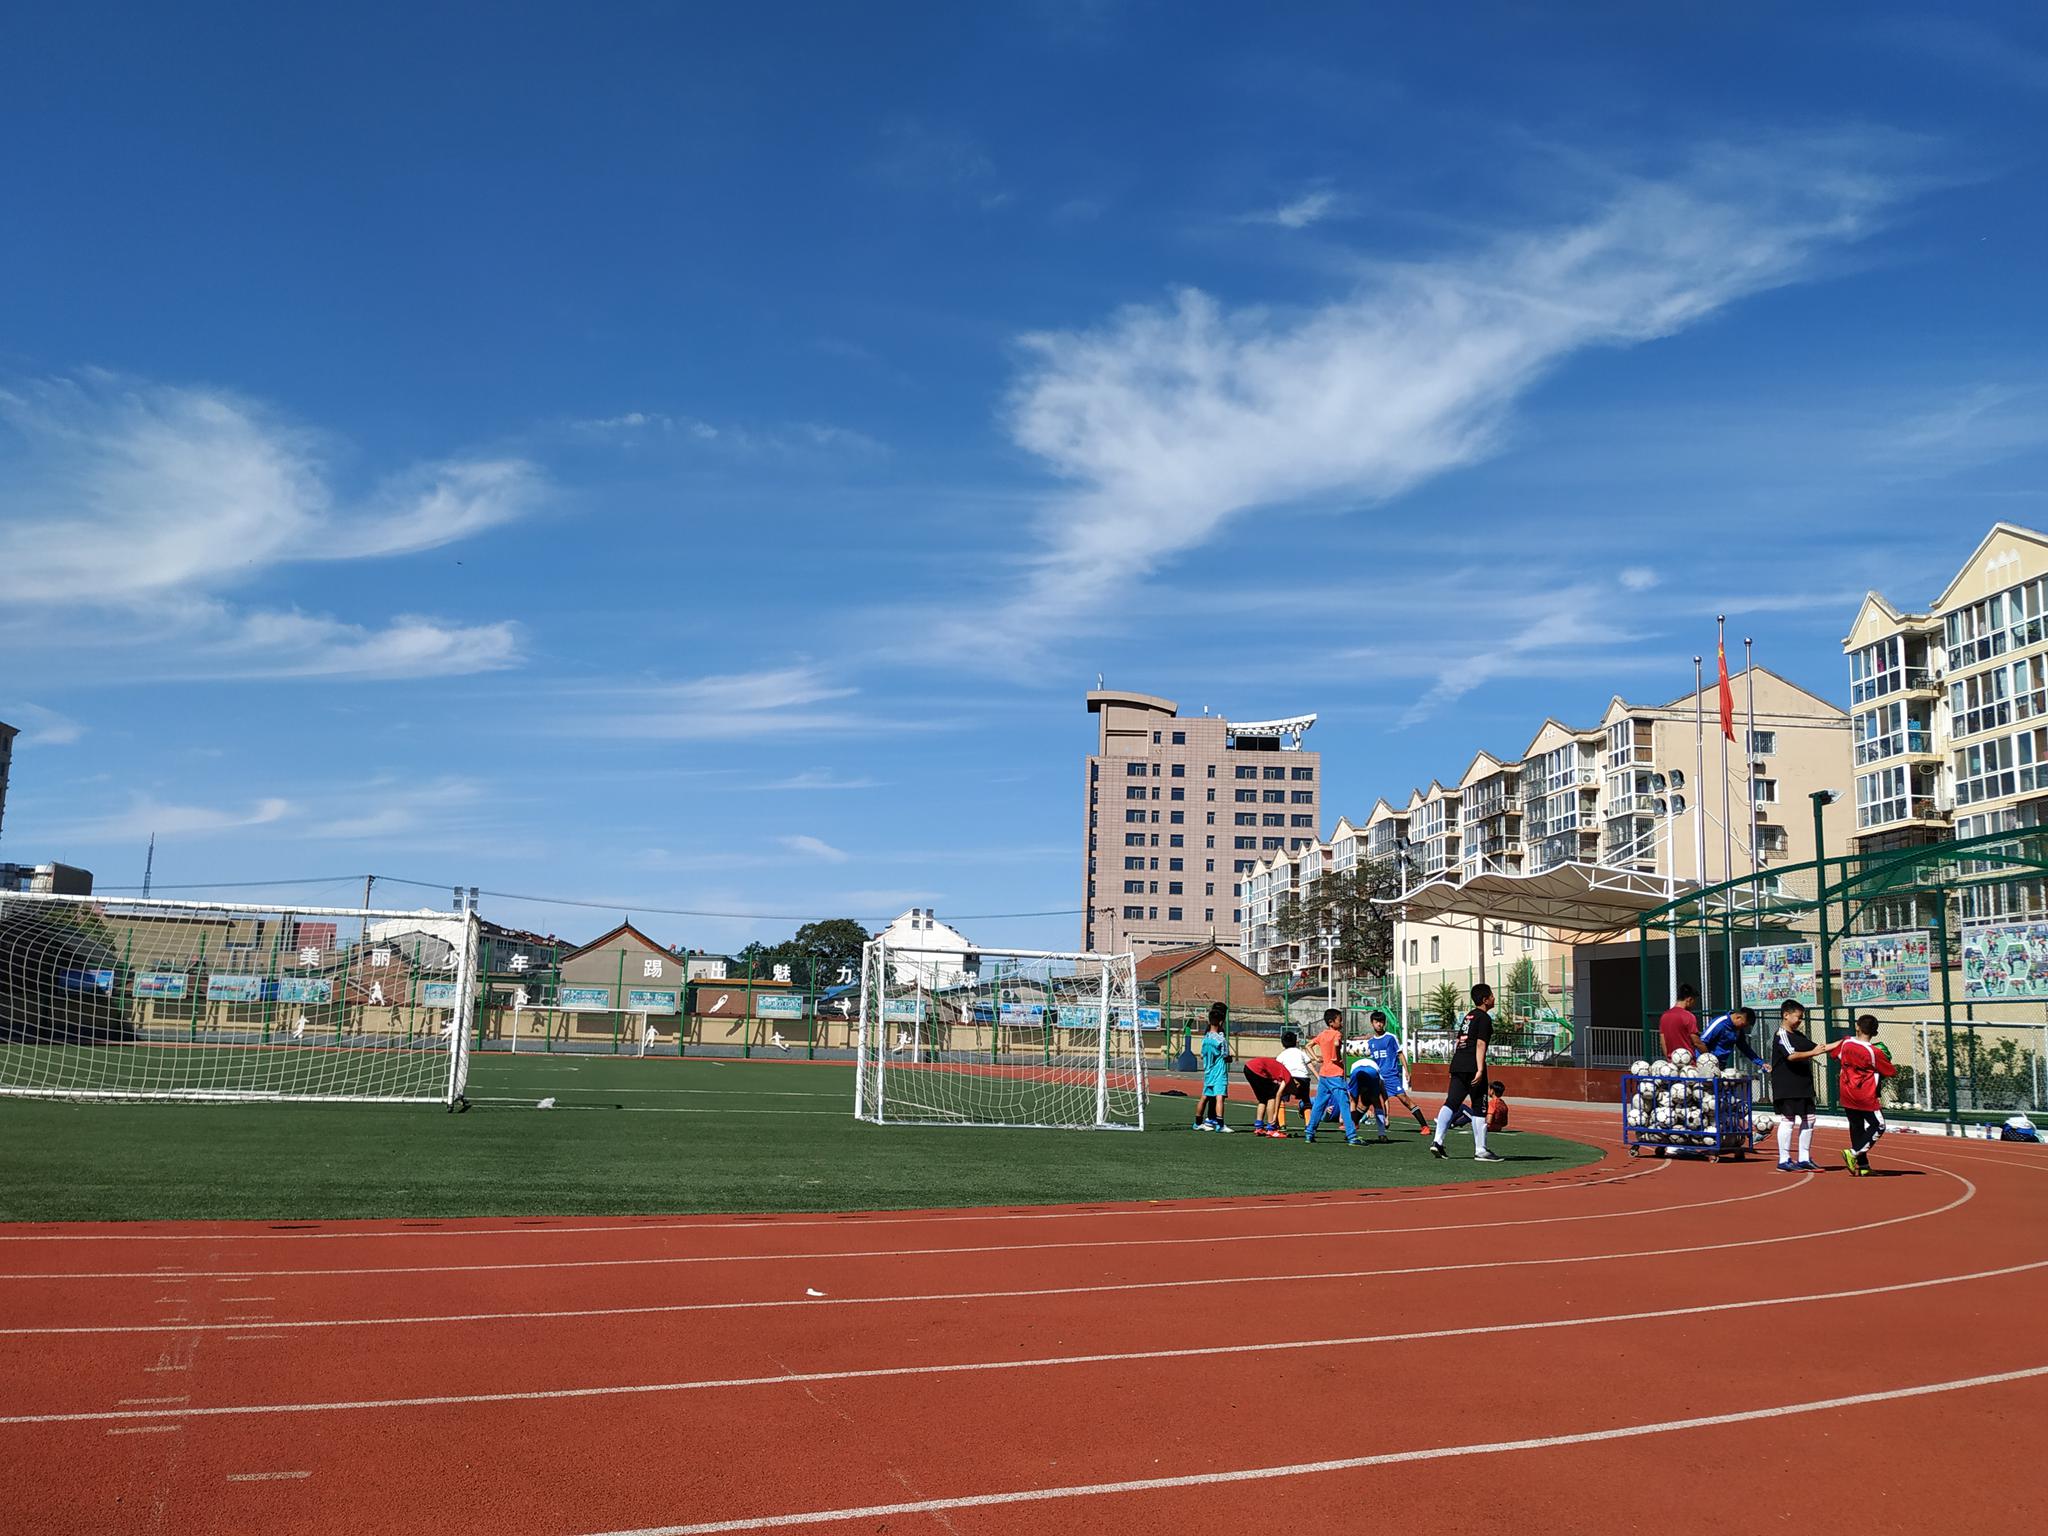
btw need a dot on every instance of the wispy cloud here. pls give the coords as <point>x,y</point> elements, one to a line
<point>1167,421</point>
<point>146,816</point>
<point>153,501</point>
<point>1299,213</point>
<point>800,437</point>
<point>40,727</point>
<point>1638,578</point>
<point>815,847</point>
<point>817,779</point>
<point>776,701</point>
<point>921,156</point>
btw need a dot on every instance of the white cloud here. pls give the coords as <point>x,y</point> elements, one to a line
<point>816,848</point>
<point>40,727</point>
<point>777,701</point>
<point>1638,578</point>
<point>1309,208</point>
<point>782,440</point>
<point>145,817</point>
<point>146,503</point>
<point>1167,421</point>
<point>816,779</point>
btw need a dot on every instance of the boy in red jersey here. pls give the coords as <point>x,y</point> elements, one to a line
<point>1861,1066</point>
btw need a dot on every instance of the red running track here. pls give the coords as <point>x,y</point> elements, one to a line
<point>1533,1355</point>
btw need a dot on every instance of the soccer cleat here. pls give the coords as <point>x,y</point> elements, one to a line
<point>1350,1141</point>
<point>1788,1167</point>
<point>1308,1138</point>
<point>1488,1157</point>
<point>1383,1138</point>
<point>1422,1128</point>
<point>1849,1157</point>
<point>1436,1149</point>
<point>1807,1165</point>
<point>1226,1130</point>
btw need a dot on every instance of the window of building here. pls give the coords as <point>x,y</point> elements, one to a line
<point>1134,839</point>
<point>1209,865</point>
<point>1273,773</point>
<point>1208,818</point>
<point>1209,888</point>
<point>1155,913</point>
<point>1241,865</point>
<point>1499,937</point>
<point>1210,840</point>
<point>1435,950</point>
<point>1274,796</point>
<point>1134,887</point>
<point>1212,771</point>
<point>1273,819</point>
<point>1130,816</point>
<point>1134,861</point>
<point>1528,936</point>
<point>1178,793</point>
<point>1302,797</point>
<point>1155,840</point>
<point>1130,912</point>
<point>1302,775</point>
<point>1173,863</point>
<point>1245,842</point>
<point>1154,864</point>
<point>1180,738</point>
<point>1208,914</point>
<point>1273,843</point>
<point>1301,821</point>
<point>1244,771</point>
<point>1766,791</point>
<point>1180,771</point>
<point>1177,818</point>
<point>1246,796</point>
<point>1762,743</point>
<point>1209,795</point>
<point>1155,818</point>
<point>1175,839</point>
<point>1134,770</point>
<point>1154,889</point>
<point>1155,738</point>
<point>1173,887</point>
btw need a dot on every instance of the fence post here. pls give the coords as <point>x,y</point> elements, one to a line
<point>1948,1007</point>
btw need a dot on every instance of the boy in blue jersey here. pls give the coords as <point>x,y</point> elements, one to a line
<point>1729,1034</point>
<point>1386,1054</point>
<point>1368,1096</point>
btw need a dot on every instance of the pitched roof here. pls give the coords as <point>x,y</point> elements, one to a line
<point>604,941</point>
<point>1167,961</point>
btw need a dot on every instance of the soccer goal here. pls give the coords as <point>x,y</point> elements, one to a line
<point>107,998</point>
<point>999,1038</point>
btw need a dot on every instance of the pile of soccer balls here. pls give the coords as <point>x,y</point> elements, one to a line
<point>1674,1100</point>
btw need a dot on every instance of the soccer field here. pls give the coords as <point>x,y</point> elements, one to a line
<point>649,1136</point>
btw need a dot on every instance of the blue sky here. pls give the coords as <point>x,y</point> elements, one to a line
<point>448,441</point>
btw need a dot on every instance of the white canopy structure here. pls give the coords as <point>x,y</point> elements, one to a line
<point>1569,901</point>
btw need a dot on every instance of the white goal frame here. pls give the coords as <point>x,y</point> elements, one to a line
<point>29,1025</point>
<point>1105,988</point>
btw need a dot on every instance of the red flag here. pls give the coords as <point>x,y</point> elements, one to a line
<point>1727,692</point>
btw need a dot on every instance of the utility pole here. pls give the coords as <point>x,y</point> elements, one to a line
<point>149,866</point>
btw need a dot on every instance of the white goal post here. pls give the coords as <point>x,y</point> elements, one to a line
<point>219,1002</point>
<point>1012,1037</point>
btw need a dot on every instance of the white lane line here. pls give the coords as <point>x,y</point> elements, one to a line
<point>251,1338</point>
<point>138,1401</point>
<point>919,1298</point>
<point>824,1257</point>
<point>236,1301</point>
<point>1247,1205</point>
<point>147,1429</point>
<point>1048,1362</point>
<point>265,1477</point>
<point>1342,1464</point>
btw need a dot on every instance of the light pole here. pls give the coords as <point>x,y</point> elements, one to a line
<point>1822,799</point>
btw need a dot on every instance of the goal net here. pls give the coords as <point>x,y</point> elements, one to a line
<point>121,999</point>
<point>999,1038</point>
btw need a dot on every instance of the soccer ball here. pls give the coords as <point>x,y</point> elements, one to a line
<point>1663,1115</point>
<point>1640,1068</point>
<point>1708,1061</point>
<point>1731,1074</point>
<point>1681,1057</point>
<point>1763,1122</point>
<point>1660,1068</point>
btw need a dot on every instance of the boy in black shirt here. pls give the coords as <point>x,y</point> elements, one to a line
<point>1792,1086</point>
<point>1468,1078</point>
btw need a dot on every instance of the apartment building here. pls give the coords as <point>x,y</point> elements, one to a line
<point>1951,707</point>
<point>1179,810</point>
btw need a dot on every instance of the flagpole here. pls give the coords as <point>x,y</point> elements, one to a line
<point>1727,730</point>
<point>1749,684</point>
<point>1699,812</point>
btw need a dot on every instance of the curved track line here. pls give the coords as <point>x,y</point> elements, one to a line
<point>978,1367</point>
<point>1345,1464</point>
<point>910,1253</point>
<point>1280,1200</point>
<point>1014,1295</point>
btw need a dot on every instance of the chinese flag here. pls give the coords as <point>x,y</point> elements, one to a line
<point>1727,693</point>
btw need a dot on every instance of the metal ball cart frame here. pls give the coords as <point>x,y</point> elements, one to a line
<point>1727,1132</point>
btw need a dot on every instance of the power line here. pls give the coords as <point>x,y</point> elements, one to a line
<point>574,901</point>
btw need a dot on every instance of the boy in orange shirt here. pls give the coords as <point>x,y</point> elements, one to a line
<point>1333,1088</point>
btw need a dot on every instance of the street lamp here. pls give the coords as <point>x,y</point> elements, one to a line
<point>1822,799</point>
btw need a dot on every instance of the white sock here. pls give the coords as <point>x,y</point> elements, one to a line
<point>1443,1123</point>
<point>1379,1118</point>
<point>1806,1141</point>
<point>1479,1135</point>
<point>1784,1141</point>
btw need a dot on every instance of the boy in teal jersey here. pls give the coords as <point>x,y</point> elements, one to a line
<point>1215,1072</point>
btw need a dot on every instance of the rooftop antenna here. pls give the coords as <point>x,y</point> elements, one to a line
<point>149,865</point>
<point>1098,682</point>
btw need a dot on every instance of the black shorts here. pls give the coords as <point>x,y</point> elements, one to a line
<point>1264,1089</point>
<point>1298,1088</point>
<point>1367,1088</point>
<point>1466,1089</point>
<point>1792,1109</point>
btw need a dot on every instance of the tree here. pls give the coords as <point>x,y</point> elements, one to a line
<point>1522,992</point>
<point>1343,909</point>
<point>1445,1002</point>
<point>822,949</point>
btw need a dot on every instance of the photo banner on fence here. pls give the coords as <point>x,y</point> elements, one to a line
<point>2005,960</point>
<point>1880,969</point>
<point>1776,973</point>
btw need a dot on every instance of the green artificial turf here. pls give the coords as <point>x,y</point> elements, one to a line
<point>652,1136</point>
